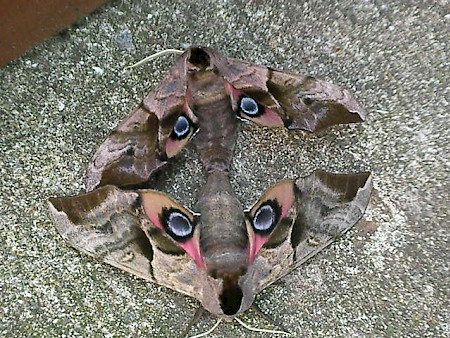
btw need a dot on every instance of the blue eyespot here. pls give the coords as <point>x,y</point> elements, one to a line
<point>249,106</point>
<point>181,127</point>
<point>179,224</point>
<point>264,218</point>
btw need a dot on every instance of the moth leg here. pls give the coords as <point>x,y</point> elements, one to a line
<point>197,315</point>
<point>266,317</point>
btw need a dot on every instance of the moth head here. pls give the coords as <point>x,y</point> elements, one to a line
<point>199,59</point>
<point>231,297</point>
<point>226,297</point>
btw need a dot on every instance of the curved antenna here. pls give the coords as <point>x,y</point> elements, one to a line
<point>154,56</point>
<point>248,327</point>
<point>209,331</point>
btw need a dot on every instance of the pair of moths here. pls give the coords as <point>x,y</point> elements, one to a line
<point>219,254</point>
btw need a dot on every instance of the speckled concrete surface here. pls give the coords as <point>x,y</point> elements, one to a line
<point>387,278</point>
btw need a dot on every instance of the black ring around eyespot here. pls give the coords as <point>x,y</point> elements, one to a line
<point>250,107</point>
<point>181,128</point>
<point>177,224</point>
<point>266,217</point>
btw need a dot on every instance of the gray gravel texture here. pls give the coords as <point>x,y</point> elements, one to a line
<point>389,277</point>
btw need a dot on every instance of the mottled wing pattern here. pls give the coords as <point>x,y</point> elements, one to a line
<point>109,224</point>
<point>104,224</point>
<point>129,155</point>
<point>327,205</point>
<point>303,102</point>
<point>311,104</point>
<point>136,147</point>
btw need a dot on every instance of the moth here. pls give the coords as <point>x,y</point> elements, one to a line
<point>220,253</point>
